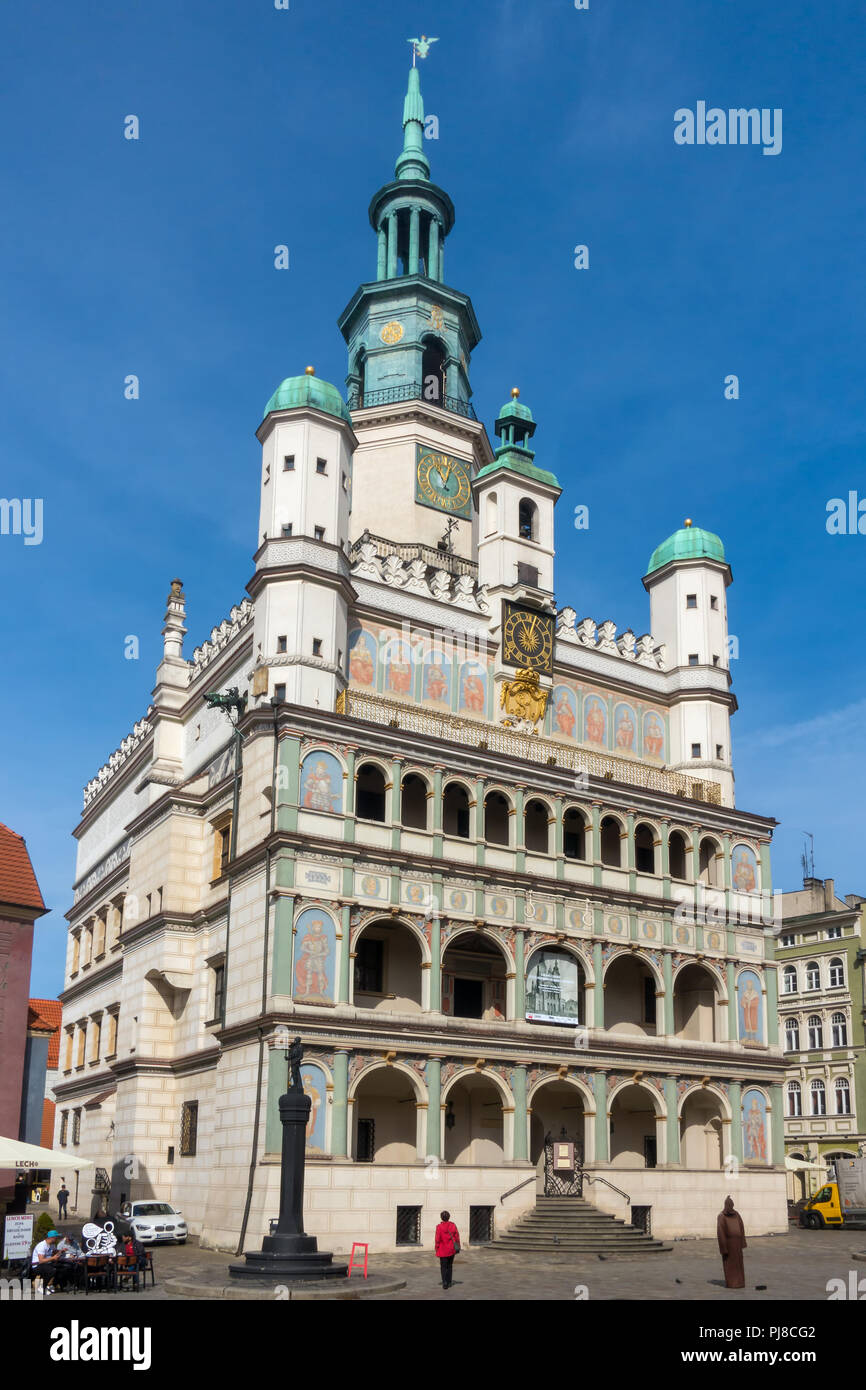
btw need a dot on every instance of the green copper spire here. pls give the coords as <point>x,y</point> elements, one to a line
<point>413,163</point>
<point>515,427</point>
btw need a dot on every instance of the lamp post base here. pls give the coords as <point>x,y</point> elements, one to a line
<point>288,1257</point>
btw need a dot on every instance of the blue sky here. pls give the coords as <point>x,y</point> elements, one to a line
<point>261,127</point>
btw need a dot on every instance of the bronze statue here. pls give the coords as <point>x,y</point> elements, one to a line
<point>296,1053</point>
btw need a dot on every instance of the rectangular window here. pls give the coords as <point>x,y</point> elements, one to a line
<point>96,1035</point>
<point>693,658</point>
<point>287,528</point>
<point>366,1140</point>
<point>527,574</point>
<point>82,1043</point>
<point>649,999</point>
<point>322,467</point>
<point>691,600</point>
<point>280,694</point>
<point>219,974</point>
<point>719,753</point>
<point>696,750</point>
<point>69,1044</point>
<point>222,844</point>
<point>288,462</point>
<point>188,1128</point>
<point>833,933</point>
<point>112,1035</point>
<point>64,1126</point>
<point>788,940</point>
<point>317,646</point>
<point>369,966</point>
<point>480,1225</point>
<point>76,1126</point>
<point>715,660</point>
<point>408,1226</point>
<point>282,644</point>
<point>714,602</point>
<point>319,533</point>
<point>76,953</point>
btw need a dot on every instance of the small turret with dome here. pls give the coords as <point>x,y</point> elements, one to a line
<point>514,427</point>
<point>690,542</point>
<point>308,390</point>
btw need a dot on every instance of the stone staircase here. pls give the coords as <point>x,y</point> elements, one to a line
<point>571,1226</point>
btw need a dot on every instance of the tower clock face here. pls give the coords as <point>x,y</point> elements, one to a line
<point>443,482</point>
<point>527,639</point>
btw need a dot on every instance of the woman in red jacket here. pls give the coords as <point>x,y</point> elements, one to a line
<point>447,1246</point>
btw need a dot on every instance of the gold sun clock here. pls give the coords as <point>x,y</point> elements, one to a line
<point>442,481</point>
<point>527,639</point>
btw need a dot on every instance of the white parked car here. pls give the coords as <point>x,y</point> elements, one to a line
<point>153,1221</point>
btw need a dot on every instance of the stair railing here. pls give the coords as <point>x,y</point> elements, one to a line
<point>619,1190</point>
<point>512,1190</point>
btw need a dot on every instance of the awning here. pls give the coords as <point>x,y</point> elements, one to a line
<point>798,1165</point>
<point>16,1154</point>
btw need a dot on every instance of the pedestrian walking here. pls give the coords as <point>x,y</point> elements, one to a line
<point>732,1242</point>
<point>447,1246</point>
<point>62,1199</point>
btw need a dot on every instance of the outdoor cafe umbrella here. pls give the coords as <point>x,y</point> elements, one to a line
<point>16,1154</point>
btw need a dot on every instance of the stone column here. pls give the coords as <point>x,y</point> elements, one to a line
<point>340,1117</point>
<point>436,965</point>
<point>392,245</point>
<point>673,1124</point>
<point>433,252</point>
<point>414,239</point>
<point>434,1107</point>
<point>668,973</point>
<point>598,992</point>
<point>771,978</point>
<point>733,1031</point>
<point>382,262</point>
<point>521,1118</point>
<point>519,976</point>
<point>599,1087</point>
<point>281,959</point>
<point>441,266</point>
<point>735,1094</point>
<point>345,957</point>
<point>630,864</point>
<point>777,1122</point>
<point>396,802</point>
<point>349,807</point>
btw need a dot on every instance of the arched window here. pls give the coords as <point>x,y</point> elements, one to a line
<point>818,1097</point>
<point>677,854</point>
<point>840,1030</point>
<point>361,371</point>
<point>816,1031</point>
<point>813,975</point>
<point>413,803</point>
<point>837,973</point>
<point>370,793</point>
<point>792,1035</point>
<point>433,371</point>
<point>455,811</point>
<point>527,520</point>
<point>574,834</point>
<point>611,848</point>
<point>644,849</point>
<point>789,979</point>
<point>707,866</point>
<point>496,810</point>
<point>535,827</point>
<point>491,515</point>
<point>843,1096</point>
<point>795,1100</point>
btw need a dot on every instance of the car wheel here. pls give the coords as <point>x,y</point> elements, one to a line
<point>815,1221</point>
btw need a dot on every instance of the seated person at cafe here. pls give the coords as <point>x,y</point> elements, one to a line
<point>44,1260</point>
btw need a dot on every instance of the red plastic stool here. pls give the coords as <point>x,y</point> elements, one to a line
<point>358,1245</point>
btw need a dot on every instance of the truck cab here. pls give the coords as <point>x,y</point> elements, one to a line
<point>824,1209</point>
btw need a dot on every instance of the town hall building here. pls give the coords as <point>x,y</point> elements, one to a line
<point>479,851</point>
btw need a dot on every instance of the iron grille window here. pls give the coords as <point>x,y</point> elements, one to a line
<point>366,1140</point>
<point>64,1125</point>
<point>480,1225</point>
<point>219,975</point>
<point>76,1126</point>
<point>188,1128</point>
<point>408,1225</point>
<point>641,1219</point>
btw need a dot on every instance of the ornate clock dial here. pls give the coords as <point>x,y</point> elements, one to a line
<point>443,482</point>
<point>527,639</point>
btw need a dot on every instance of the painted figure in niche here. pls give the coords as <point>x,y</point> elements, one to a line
<point>595,721</point>
<point>311,967</point>
<point>564,711</point>
<point>754,1127</point>
<point>315,1130</point>
<point>321,783</point>
<point>749,995</point>
<point>362,660</point>
<point>653,735</point>
<point>473,695</point>
<point>745,870</point>
<point>732,1242</point>
<point>400,670</point>
<point>437,679</point>
<point>624,728</point>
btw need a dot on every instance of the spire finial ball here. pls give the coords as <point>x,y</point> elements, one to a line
<point>688,521</point>
<point>309,371</point>
<point>515,392</point>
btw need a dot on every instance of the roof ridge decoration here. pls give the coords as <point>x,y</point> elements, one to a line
<point>221,636</point>
<point>643,651</point>
<point>416,577</point>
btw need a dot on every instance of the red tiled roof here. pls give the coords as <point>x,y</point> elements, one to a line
<point>47,1139</point>
<point>44,1014</point>
<point>18,886</point>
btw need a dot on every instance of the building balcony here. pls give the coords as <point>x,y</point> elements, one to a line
<point>409,391</point>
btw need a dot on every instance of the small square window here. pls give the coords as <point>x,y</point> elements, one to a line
<point>282,644</point>
<point>720,753</point>
<point>280,694</point>
<point>691,600</point>
<point>319,533</point>
<point>715,660</point>
<point>693,658</point>
<point>317,646</point>
<point>288,463</point>
<point>287,528</point>
<point>322,466</point>
<point>696,750</point>
<point>714,602</point>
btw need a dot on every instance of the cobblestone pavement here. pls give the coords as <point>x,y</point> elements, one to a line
<point>792,1267</point>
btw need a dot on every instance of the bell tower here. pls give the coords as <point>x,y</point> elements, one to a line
<point>410,339</point>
